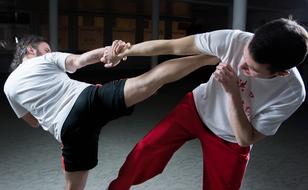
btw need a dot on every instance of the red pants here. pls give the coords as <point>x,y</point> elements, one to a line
<point>224,163</point>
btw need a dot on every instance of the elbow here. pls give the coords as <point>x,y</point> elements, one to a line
<point>244,142</point>
<point>252,138</point>
<point>77,63</point>
<point>72,63</point>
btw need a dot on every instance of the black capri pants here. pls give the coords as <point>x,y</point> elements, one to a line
<point>94,108</point>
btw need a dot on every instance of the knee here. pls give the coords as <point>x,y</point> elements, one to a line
<point>137,90</point>
<point>143,147</point>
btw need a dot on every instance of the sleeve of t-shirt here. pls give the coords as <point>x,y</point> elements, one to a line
<point>58,58</point>
<point>18,109</point>
<point>222,43</point>
<point>214,43</point>
<point>269,120</point>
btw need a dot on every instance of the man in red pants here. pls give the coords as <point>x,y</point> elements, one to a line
<point>254,89</point>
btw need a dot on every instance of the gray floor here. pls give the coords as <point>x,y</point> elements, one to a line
<point>30,158</point>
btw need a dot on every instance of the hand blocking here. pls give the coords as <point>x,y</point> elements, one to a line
<point>113,54</point>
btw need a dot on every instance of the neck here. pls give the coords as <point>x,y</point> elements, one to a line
<point>27,57</point>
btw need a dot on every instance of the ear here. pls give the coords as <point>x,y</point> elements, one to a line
<point>31,50</point>
<point>283,73</point>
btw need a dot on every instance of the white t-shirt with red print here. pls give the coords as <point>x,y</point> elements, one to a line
<point>266,102</point>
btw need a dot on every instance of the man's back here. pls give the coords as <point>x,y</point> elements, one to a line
<point>41,86</point>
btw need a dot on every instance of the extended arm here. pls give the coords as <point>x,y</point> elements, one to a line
<point>244,132</point>
<point>74,62</point>
<point>32,121</point>
<point>120,49</point>
<point>180,46</point>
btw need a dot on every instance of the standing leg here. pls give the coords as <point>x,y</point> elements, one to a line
<point>75,180</point>
<point>224,162</point>
<point>152,153</point>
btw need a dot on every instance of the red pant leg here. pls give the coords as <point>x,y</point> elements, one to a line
<point>224,163</point>
<point>152,153</point>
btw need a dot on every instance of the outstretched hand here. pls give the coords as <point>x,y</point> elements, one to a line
<point>227,77</point>
<point>113,54</point>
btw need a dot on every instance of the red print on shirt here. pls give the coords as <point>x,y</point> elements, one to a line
<point>247,94</point>
<point>247,111</point>
<point>251,94</point>
<point>242,85</point>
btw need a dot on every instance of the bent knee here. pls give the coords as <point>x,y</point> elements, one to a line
<point>144,147</point>
<point>136,91</point>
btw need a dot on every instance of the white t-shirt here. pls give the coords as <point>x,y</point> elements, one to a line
<point>41,86</point>
<point>266,102</point>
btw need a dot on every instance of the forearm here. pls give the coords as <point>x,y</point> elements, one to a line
<point>149,48</point>
<point>181,46</point>
<point>74,62</point>
<point>30,120</point>
<point>90,57</point>
<point>244,132</point>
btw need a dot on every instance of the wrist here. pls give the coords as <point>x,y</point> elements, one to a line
<point>235,97</point>
<point>126,52</point>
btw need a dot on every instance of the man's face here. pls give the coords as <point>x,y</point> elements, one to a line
<point>42,49</point>
<point>253,69</point>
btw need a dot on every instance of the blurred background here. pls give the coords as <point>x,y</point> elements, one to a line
<point>29,158</point>
<point>80,25</point>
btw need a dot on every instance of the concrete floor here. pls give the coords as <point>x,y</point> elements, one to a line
<point>30,158</point>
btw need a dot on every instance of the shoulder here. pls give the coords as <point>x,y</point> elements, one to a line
<point>224,44</point>
<point>296,84</point>
<point>9,85</point>
<point>55,56</point>
<point>223,34</point>
<point>288,90</point>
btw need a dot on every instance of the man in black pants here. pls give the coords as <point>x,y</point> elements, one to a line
<point>41,93</point>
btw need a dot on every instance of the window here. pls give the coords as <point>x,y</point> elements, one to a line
<point>90,32</point>
<point>179,29</point>
<point>63,33</point>
<point>124,29</point>
<point>148,30</point>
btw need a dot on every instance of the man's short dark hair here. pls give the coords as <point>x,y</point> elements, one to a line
<point>21,48</point>
<point>281,43</point>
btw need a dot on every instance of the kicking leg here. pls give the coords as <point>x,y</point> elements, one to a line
<point>141,87</point>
